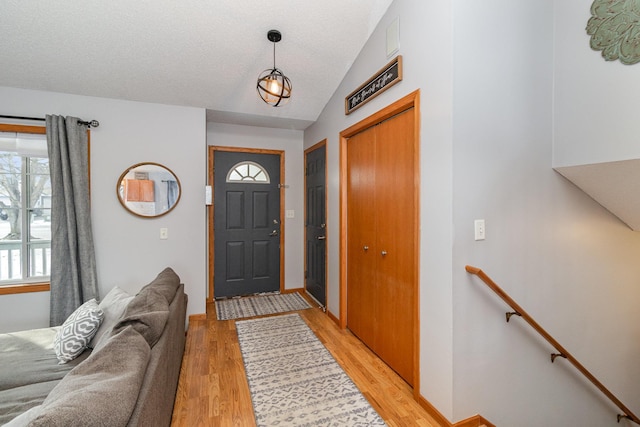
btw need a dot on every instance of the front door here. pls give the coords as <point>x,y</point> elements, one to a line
<point>316,223</point>
<point>247,223</point>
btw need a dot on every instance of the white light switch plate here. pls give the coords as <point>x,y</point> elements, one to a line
<point>479,229</point>
<point>291,213</point>
<point>164,233</point>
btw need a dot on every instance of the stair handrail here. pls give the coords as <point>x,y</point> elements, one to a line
<point>519,311</point>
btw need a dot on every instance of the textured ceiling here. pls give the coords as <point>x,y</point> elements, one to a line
<point>196,53</point>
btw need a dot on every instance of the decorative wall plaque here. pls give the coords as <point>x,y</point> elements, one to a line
<point>614,28</point>
<point>389,75</point>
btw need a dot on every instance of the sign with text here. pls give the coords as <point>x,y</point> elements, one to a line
<point>381,81</point>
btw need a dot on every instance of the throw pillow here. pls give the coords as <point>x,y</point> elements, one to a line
<point>113,305</point>
<point>76,332</point>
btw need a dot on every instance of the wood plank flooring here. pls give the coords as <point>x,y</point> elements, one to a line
<point>213,389</point>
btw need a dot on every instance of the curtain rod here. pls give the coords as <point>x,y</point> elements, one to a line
<point>91,123</point>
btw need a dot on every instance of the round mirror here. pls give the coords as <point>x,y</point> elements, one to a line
<point>148,190</point>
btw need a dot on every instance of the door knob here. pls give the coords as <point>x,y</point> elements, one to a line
<point>383,253</point>
<point>366,248</point>
<point>321,237</point>
<point>273,233</point>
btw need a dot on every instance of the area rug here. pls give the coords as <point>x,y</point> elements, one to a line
<point>294,380</point>
<point>237,308</point>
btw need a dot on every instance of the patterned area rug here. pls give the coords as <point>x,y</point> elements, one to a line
<point>237,308</point>
<point>294,380</point>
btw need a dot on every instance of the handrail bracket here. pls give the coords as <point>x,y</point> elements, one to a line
<point>512,313</point>
<point>621,416</point>
<point>554,355</point>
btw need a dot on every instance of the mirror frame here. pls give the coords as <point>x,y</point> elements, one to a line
<point>129,169</point>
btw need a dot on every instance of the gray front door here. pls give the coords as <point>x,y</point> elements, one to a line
<point>315,224</point>
<point>246,223</point>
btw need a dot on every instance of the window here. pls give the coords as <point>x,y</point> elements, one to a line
<point>248,171</point>
<point>25,205</point>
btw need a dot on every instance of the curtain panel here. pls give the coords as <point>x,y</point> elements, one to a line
<point>73,266</point>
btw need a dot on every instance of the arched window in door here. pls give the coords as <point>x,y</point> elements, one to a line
<point>248,172</point>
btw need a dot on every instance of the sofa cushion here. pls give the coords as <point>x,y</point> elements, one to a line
<point>76,332</point>
<point>113,306</point>
<point>148,311</point>
<point>101,391</point>
<point>166,284</point>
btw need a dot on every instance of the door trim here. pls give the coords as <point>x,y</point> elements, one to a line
<point>326,218</point>
<point>411,100</point>
<point>210,217</point>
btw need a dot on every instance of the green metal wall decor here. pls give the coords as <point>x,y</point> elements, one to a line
<point>614,28</point>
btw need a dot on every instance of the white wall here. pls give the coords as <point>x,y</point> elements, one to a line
<point>129,252</point>
<point>486,75</point>
<point>596,101</point>
<point>290,141</point>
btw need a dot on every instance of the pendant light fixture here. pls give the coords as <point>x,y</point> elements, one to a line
<point>273,86</point>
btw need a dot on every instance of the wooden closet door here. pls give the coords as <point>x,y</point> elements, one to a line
<point>395,203</point>
<point>361,246</point>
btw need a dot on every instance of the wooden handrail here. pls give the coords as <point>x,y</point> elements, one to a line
<point>562,351</point>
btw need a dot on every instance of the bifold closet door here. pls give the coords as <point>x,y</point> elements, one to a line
<point>361,258</point>
<point>381,215</point>
<point>395,216</point>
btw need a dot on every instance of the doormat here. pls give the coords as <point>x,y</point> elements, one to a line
<point>237,308</point>
<point>294,380</point>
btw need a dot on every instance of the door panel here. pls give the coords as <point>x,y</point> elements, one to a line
<point>315,224</point>
<point>246,225</point>
<point>362,302</point>
<point>395,208</point>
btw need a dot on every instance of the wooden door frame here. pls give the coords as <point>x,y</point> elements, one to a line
<point>210,181</point>
<point>411,100</point>
<point>326,229</point>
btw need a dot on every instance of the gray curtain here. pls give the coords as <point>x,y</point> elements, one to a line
<point>172,193</point>
<point>73,266</point>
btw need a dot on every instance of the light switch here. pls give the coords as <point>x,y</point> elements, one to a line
<point>208,198</point>
<point>164,233</point>
<point>291,213</point>
<point>479,229</point>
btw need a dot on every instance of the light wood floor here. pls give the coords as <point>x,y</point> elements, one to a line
<point>213,389</point>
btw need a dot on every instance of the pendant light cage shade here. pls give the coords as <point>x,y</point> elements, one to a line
<point>273,86</point>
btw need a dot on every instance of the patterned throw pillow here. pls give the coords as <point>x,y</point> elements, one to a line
<point>76,332</point>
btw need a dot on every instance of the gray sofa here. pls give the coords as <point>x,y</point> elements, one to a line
<point>129,379</point>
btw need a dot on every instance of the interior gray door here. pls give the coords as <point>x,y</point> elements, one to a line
<point>315,224</point>
<point>246,223</point>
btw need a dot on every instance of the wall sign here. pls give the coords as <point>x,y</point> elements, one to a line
<point>389,75</point>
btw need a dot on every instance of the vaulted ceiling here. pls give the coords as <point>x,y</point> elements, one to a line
<point>205,54</point>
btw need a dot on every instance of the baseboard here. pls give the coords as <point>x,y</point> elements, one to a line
<point>333,318</point>
<point>475,421</point>
<point>290,291</point>
<point>435,414</point>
